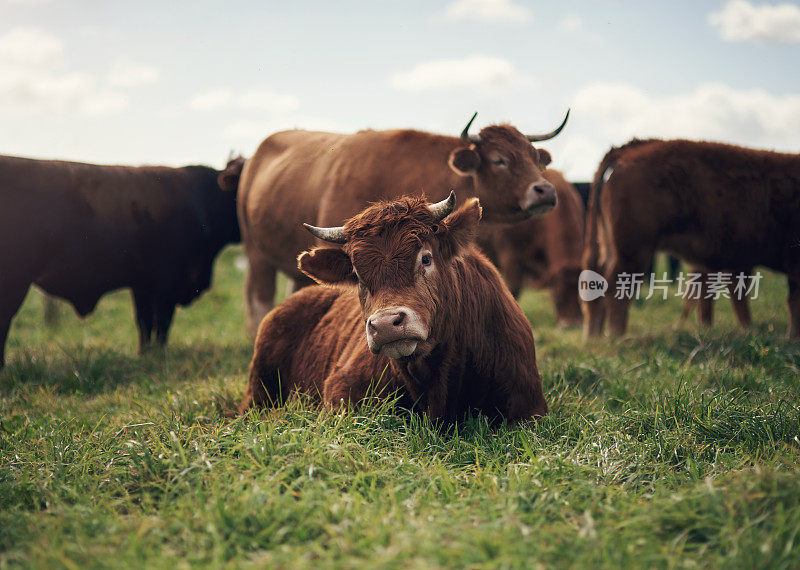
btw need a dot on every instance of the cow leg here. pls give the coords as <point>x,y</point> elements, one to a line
<point>164,311</point>
<point>11,298</point>
<point>51,312</point>
<point>259,291</point>
<point>686,310</point>
<point>143,303</point>
<point>741,308</point>
<point>705,311</point>
<point>618,308</point>
<point>794,304</point>
<point>594,312</point>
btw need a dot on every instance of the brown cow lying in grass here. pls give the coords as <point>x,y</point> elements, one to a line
<point>441,327</point>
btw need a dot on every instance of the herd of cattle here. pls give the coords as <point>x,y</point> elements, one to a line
<point>410,301</point>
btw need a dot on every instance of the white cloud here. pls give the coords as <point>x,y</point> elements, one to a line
<point>211,100</point>
<point>613,113</point>
<point>490,11</point>
<point>474,71</point>
<point>248,133</point>
<point>30,47</point>
<point>28,2</point>
<point>33,83</point>
<point>130,74</point>
<point>252,100</point>
<point>740,20</point>
<point>28,93</point>
<point>267,100</point>
<point>570,24</point>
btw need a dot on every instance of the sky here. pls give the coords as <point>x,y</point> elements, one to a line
<point>153,82</point>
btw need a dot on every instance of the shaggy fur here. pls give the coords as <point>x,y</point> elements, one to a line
<point>479,353</point>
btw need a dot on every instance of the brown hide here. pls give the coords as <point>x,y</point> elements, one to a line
<point>325,178</point>
<point>477,351</point>
<point>717,206</point>
<point>79,231</point>
<point>545,250</point>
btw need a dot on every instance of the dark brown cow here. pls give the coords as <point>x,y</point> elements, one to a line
<point>326,178</point>
<point>717,206</point>
<point>409,305</point>
<point>547,250</point>
<point>79,231</point>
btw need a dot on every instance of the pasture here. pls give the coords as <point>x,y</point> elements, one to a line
<point>670,447</point>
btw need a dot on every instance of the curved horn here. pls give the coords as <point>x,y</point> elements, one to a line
<point>332,235</point>
<point>441,210</point>
<point>551,134</point>
<point>468,138</point>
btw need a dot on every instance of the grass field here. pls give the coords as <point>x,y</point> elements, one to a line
<point>671,447</point>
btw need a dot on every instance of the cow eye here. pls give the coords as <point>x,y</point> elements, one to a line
<point>500,162</point>
<point>426,260</point>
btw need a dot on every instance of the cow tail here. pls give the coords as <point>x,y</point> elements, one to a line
<point>592,250</point>
<point>591,256</point>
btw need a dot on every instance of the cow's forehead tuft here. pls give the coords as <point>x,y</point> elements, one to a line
<point>409,213</point>
<point>506,138</point>
<point>384,239</point>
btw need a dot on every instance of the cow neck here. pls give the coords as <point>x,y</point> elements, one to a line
<point>472,296</point>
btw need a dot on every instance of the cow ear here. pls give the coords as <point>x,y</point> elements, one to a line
<point>464,161</point>
<point>543,158</point>
<point>327,266</point>
<point>458,229</point>
<point>228,179</point>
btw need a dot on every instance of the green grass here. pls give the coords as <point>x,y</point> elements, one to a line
<point>671,447</point>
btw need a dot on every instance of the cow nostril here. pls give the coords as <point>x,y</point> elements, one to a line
<point>538,189</point>
<point>371,327</point>
<point>399,319</point>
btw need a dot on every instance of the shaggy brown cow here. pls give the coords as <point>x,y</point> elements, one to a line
<point>325,178</point>
<point>718,206</point>
<point>547,250</point>
<point>79,231</point>
<point>410,305</point>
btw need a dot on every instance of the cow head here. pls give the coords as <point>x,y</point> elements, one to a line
<point>228,179</point>
<point>217,226</point>
<point>399,257</point>
<point>507,171</point>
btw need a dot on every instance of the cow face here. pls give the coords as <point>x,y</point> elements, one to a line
<point>507,172</point>
<point>217,226</point>
<point>398,257</point>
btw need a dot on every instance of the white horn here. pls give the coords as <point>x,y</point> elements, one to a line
<point>442,209</point>
<point>333,235</point>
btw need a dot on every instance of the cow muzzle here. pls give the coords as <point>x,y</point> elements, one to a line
<point>540,198</point>
<point>395,332</point>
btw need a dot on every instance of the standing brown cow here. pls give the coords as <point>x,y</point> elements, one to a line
<point>718,206</point>
<point>547,250</point>
<point>410,306</point>
<point>326,178</point>
<point>81,230</point>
